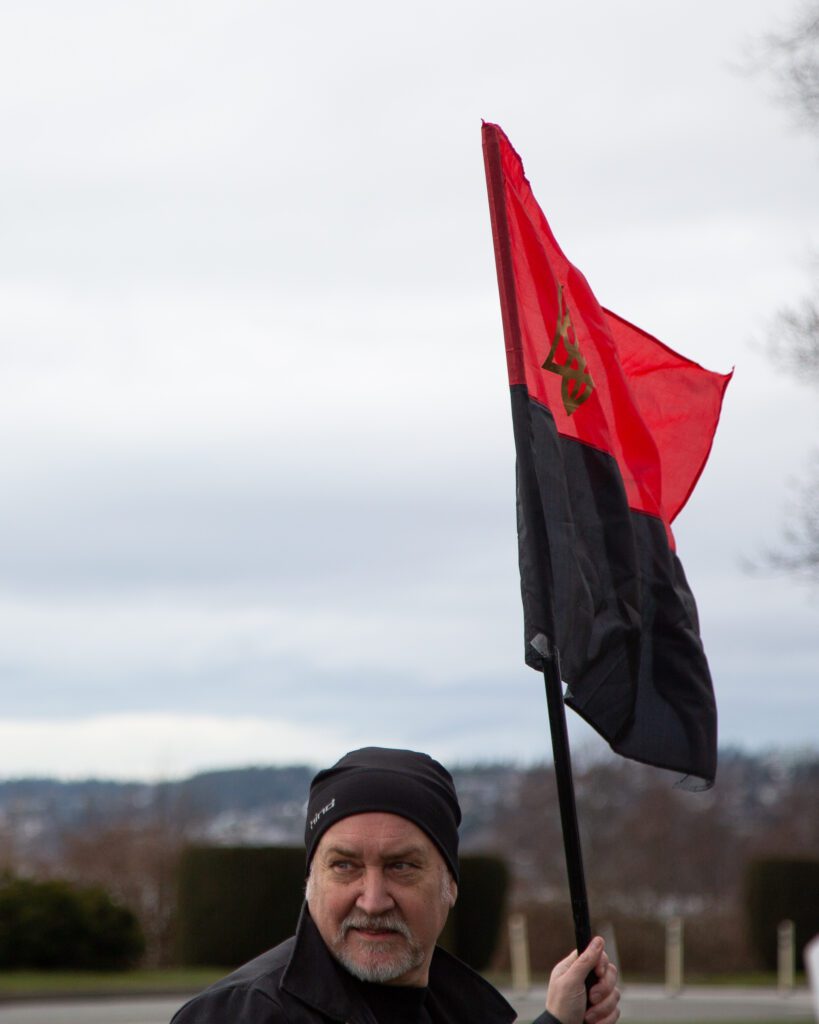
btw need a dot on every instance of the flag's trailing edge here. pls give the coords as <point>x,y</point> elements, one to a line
<point>612,430</point>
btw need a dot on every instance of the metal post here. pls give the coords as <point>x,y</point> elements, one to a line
<point>610,938</point>
<point>673,955</point>
<point>519,953</point>
<point>811,957</point>
<point>785,956</point>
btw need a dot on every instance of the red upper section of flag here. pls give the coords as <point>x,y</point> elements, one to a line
<point>606,382</point>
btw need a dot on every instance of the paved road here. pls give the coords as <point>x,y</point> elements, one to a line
<point>92,1011</point>
<point>640,1003</point>
<point>650,1003</point>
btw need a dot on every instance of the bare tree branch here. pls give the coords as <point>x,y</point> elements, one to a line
<point>794,341</point>
<point>797,552</point>
<point>794,59</point>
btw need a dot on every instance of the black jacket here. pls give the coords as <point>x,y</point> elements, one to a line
<point>299,982</point>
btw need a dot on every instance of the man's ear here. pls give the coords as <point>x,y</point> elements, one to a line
<point>453,893</point>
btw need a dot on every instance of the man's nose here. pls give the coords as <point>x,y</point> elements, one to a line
<point>374,897</point>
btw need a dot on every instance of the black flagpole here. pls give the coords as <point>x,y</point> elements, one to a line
<point>565,790</point>
<point>547,651</point>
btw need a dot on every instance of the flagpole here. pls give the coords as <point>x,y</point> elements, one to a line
<point>548,653</point>
<point>565,790</point>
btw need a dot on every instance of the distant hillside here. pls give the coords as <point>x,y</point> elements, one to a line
<point>241,805</point>
<point>649,849</point>
<point>41,810</point>
<point>508,809</point>
<point>208,792</point>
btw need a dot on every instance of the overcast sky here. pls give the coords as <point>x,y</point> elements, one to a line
<point>257,466</point>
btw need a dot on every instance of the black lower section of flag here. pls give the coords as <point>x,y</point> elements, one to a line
<point>602,583</point>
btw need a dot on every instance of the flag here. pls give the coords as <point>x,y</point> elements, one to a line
<point>612,430</point>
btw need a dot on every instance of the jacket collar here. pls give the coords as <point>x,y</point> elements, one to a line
<point>313,976</point>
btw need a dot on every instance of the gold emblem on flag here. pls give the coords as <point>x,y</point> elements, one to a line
<point>577,384</point>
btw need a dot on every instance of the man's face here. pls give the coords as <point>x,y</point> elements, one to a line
<point>379,893</point>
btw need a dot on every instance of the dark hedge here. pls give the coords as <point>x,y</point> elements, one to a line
<point>778,889</point>
<point>236,902</point>
<point>57,925</point>
<point>479,912</point>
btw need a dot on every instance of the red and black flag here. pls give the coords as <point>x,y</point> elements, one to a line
<point>612,430</point>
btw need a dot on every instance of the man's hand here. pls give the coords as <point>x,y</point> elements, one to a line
<point>566,998</point>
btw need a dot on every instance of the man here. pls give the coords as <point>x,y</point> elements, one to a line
<point>382,876</point>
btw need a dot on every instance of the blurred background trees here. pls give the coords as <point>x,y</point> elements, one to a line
<point>651,851</point>
<point>792,57</point>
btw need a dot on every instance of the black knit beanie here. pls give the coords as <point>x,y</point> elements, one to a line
<point>401,782</point>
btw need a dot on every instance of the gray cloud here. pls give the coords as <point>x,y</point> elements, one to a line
<point>257,455</point>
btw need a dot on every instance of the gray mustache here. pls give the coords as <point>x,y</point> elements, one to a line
<point>377,923</point>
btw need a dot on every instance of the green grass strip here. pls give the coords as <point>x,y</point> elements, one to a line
<point>30,984</point>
